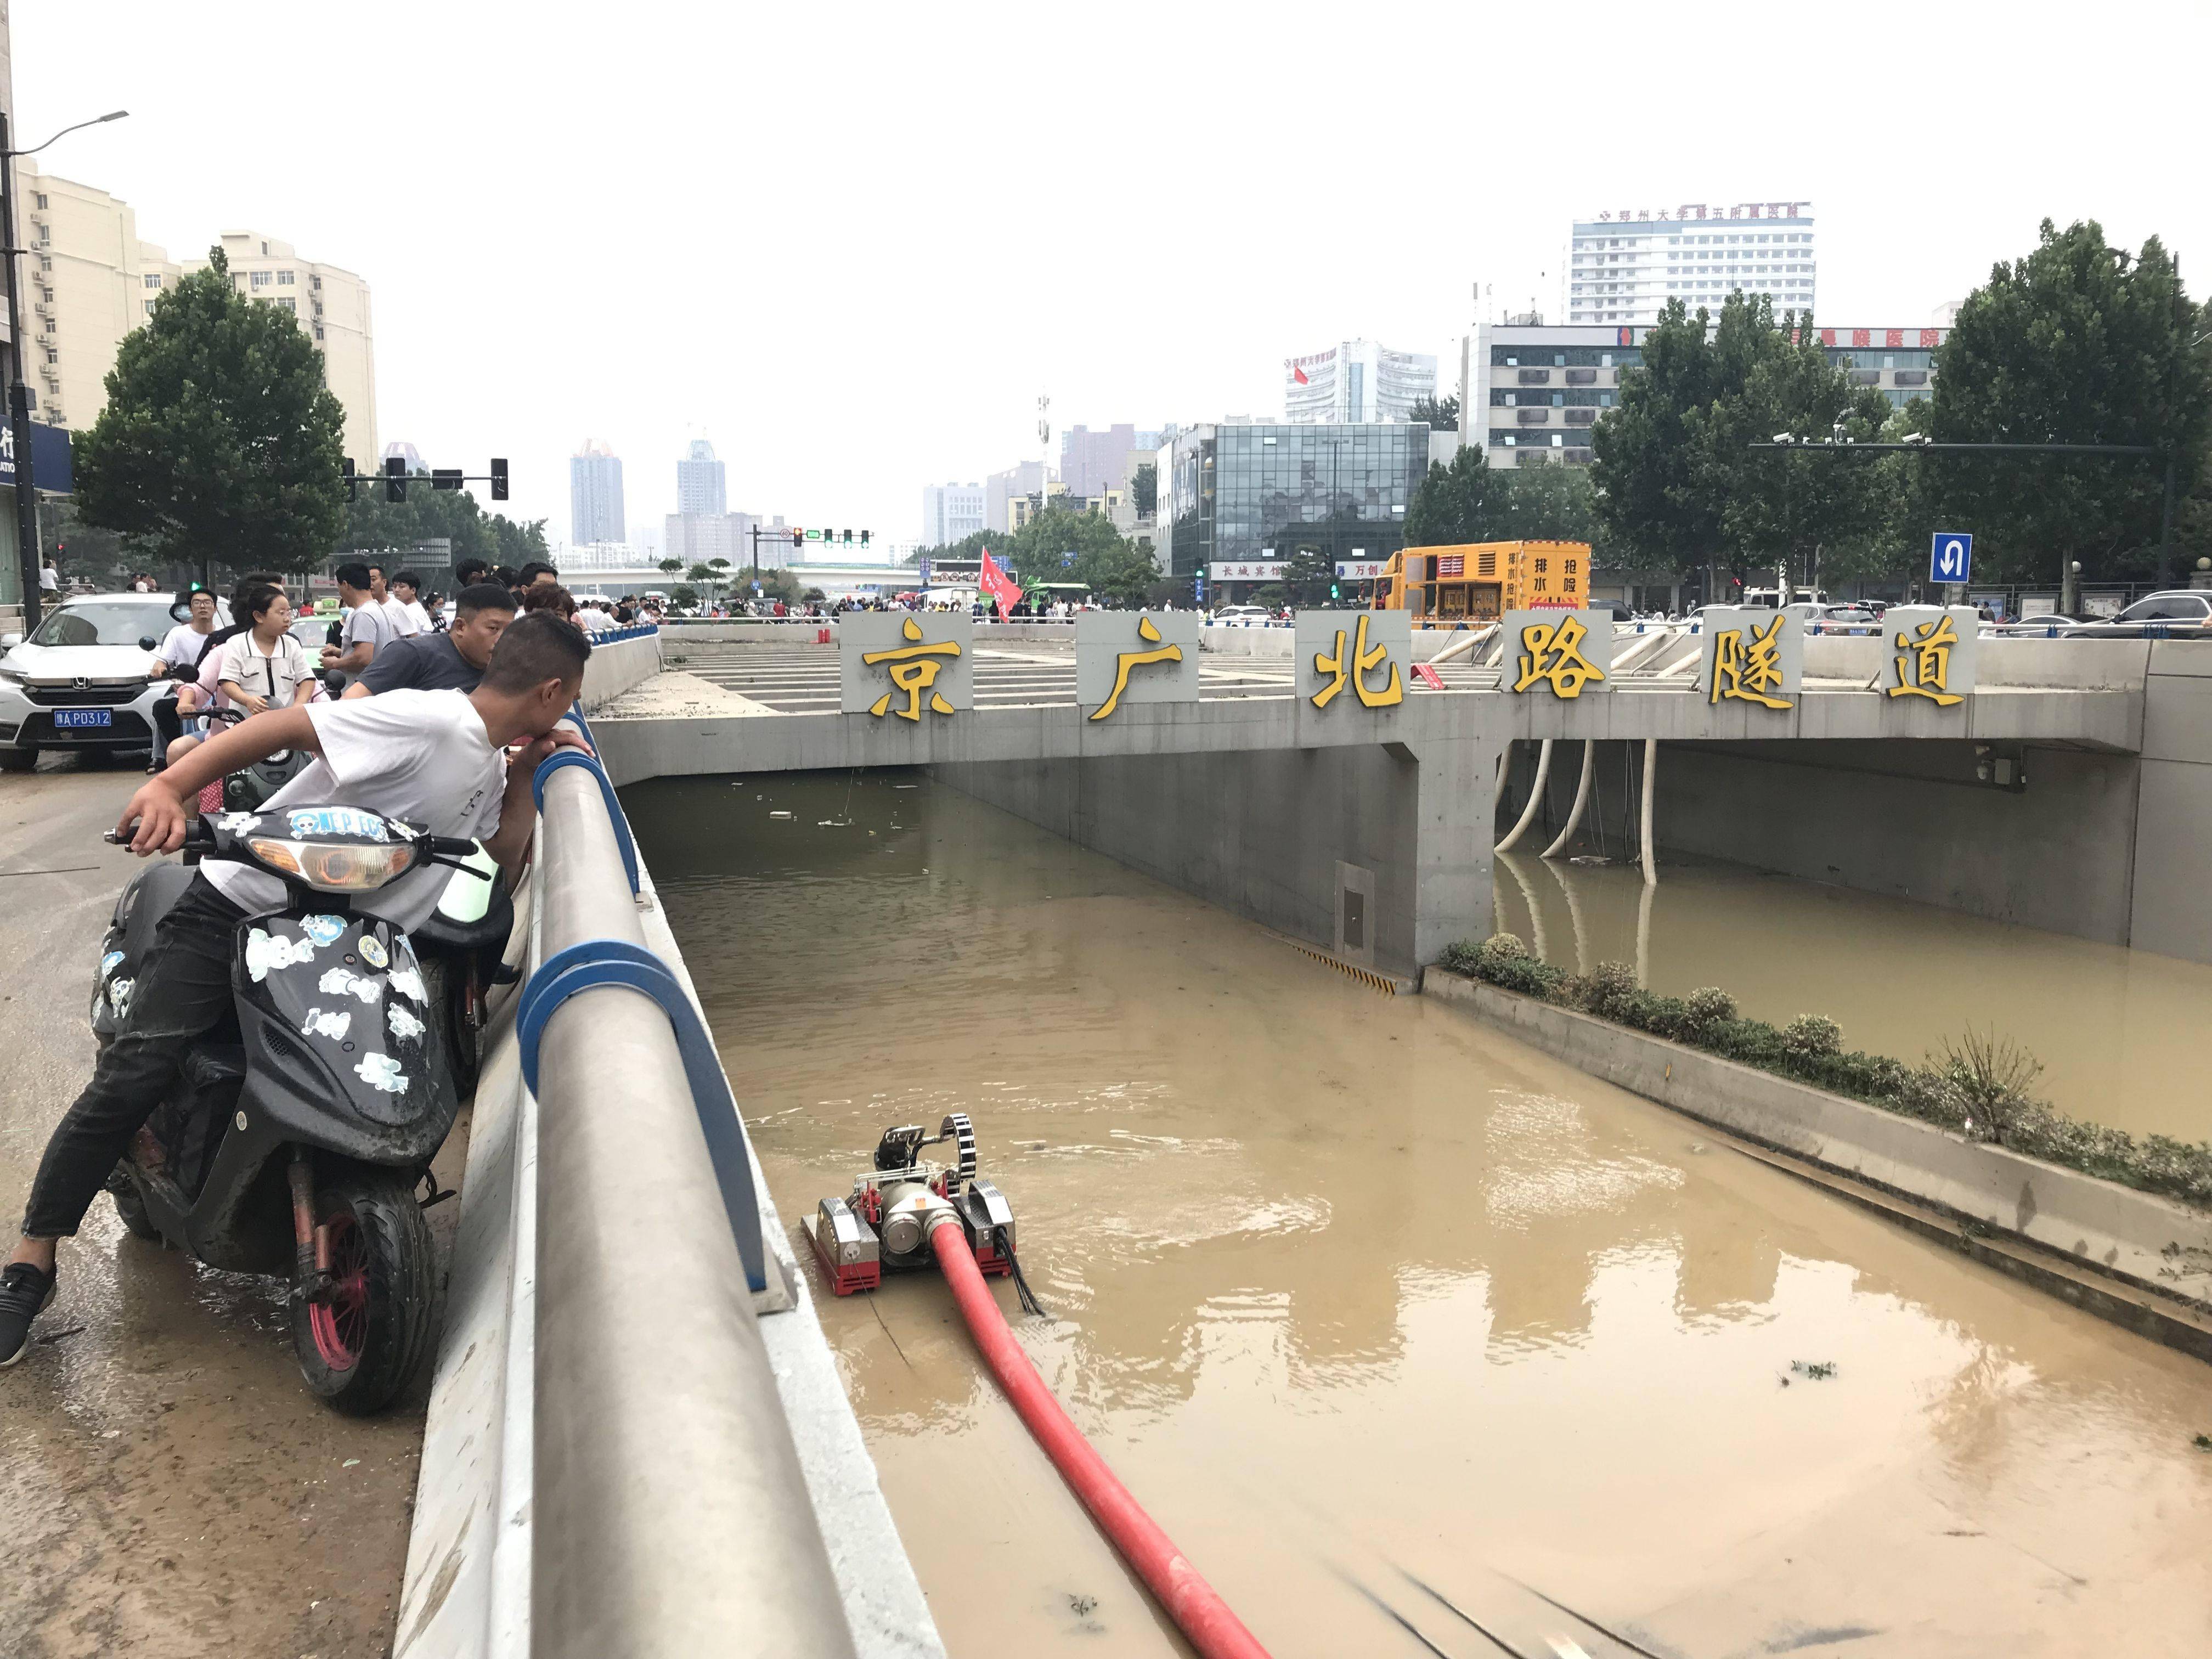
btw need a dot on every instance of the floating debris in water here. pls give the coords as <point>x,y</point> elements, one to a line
<point>1815,1371</point>
<point>778,815</point>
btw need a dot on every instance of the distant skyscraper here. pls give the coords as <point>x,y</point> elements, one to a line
<point>1625,265</point>
<point>700,481</point>
<point>595,495</point>
<point>400,450</point>
<point>1092,463</point>
<point>951,513</point>
<point>1357,383</point>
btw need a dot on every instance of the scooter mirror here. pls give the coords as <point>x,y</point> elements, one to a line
<point>147,642</point>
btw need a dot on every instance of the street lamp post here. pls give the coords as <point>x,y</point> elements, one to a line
<point>19,394</point>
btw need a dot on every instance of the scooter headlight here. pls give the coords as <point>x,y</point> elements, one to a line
<point>333,869</point>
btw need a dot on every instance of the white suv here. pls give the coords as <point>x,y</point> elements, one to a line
<point>79,682</point>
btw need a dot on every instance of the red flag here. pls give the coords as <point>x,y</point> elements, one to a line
<point>999,585</point>
<point>1299,375</point>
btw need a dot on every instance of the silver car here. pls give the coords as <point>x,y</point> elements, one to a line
<point>80,680</point>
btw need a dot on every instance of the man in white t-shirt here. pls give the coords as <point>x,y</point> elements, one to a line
<point>179,651</point>
<point>407,588</point>
<point>433,757</point>
<point>403,625</point>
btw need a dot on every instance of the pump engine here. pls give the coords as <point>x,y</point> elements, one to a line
<point>887,1218</point>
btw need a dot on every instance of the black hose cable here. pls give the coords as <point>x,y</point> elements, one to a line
<point>1004,1247</point>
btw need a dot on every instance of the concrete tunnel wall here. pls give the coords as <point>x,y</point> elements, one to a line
<point>1263,834</point>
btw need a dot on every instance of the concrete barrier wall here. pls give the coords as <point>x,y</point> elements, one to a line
<point>611,670</point>
<point>2171,907</point>
<point>2153,1245</point>
<point>1266,834</point>
<point>1911,820</point>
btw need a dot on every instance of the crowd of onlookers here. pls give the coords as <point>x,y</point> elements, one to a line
<point>389,633</point>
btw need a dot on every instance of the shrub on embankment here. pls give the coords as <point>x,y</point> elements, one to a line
<point>1977,1086</point>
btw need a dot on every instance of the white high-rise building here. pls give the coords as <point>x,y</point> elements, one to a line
<point>1356,383</point>
<point>1623,265</point>
<point>951,513</point>
<point>595,495</point>
<point>702,482</point>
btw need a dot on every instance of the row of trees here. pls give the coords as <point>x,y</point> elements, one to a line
<point>2077,343</point>
<point>222,446</point>
<point>1064,544</point>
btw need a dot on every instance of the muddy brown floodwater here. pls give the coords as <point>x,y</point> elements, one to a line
<point>1343,1285</point>
<point>2120,1033</point>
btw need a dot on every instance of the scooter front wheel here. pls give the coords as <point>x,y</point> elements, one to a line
<point>363,1344</point>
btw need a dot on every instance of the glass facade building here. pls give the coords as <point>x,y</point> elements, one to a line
<point>1237,493</point>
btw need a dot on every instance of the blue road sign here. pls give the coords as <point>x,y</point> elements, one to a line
<point>1951,557</point>
<point>1198,585</point>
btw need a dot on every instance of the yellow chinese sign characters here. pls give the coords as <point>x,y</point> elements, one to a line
<point>1354,668</point>
<point>914,668</point>
<point>1749,671</point>
<point>1923,665</point>
<point>1127,660</point>
<point>1552,652</point>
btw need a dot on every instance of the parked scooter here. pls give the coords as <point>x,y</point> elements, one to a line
<point>300,1131</point>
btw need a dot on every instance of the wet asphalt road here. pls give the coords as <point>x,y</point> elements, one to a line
<point>166,1485</point>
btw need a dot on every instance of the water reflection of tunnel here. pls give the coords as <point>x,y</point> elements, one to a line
<point>1320,1218</point>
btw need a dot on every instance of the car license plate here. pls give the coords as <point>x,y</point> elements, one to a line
<point>65,717</point>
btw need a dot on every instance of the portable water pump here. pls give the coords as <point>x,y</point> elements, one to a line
<point>887,1218</point>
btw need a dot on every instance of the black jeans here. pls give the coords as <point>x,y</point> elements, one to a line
<point>168,726</point>
<point>183,991</point>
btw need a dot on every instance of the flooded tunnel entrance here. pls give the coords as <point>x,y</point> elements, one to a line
<point>1339,1279</point>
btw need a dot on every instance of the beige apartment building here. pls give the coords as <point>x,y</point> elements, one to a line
<point>89,281</point>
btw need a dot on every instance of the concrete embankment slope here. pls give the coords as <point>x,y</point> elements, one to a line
<point>2137,1259</point>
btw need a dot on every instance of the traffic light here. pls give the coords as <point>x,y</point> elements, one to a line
<point>353,480</point>
<point>798,537</point>
<point>499,477</point>
<point>445,477</point>
<point>395,478</point>
<point>848,539</point>
<point>1335,590</point>
<point>864,538</point>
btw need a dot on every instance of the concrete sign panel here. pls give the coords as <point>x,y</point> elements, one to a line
<point>1353,659</point>
<point>1135,656</point>
<point>912,666</point>
<point>1751,656</point>
<point>1928,654</point>
<point>1556,653</point>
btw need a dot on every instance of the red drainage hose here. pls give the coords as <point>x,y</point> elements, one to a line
<point>1200,1614</point>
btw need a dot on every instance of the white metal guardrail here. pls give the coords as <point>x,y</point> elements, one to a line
<point>625,1455</point>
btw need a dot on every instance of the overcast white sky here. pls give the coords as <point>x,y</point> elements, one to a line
<point>852,243</point>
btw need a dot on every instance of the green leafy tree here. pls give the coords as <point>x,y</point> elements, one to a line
<point>2077,343</point>
<point>1776,508</point>
<point>670,566</point>
<point>1644,457</point>
<point>1144,489</point>
<point>1308,575</point>
<point>1442,414</point>
<point>683,594</point>
<point>1453,502</point>
<point>220,439</point>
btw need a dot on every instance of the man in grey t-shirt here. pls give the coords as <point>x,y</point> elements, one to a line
<point>367,629</point>
<point>453,660</point>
